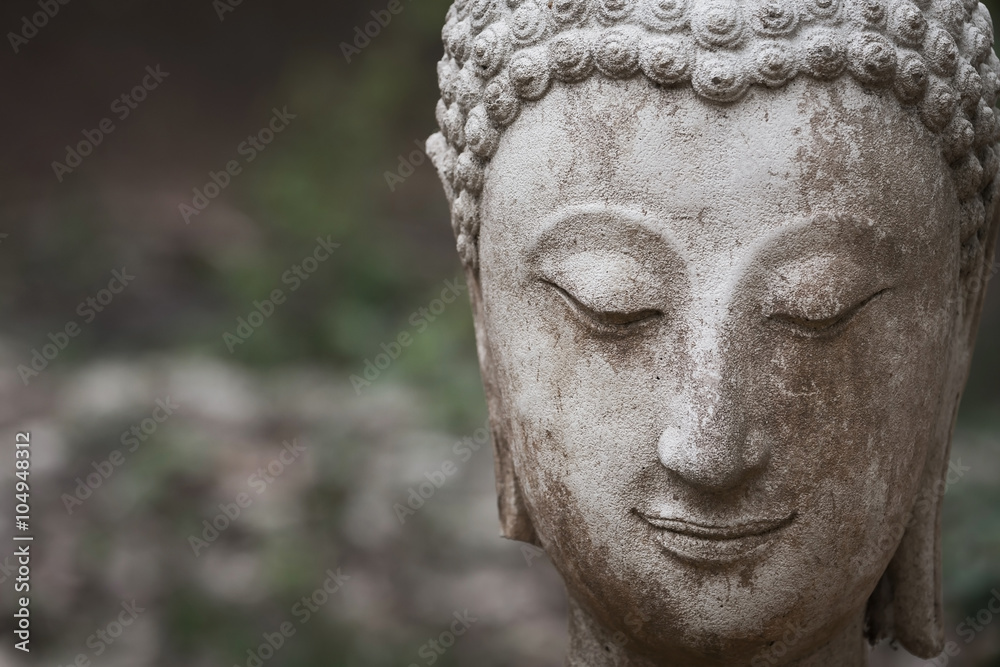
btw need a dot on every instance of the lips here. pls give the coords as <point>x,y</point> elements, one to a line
<point>721,543</point>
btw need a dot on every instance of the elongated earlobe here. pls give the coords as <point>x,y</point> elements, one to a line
<point>515,522</point>
<point>906,606</point>
<point>914,573</point>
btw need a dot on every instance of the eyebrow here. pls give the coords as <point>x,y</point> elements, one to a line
<point>547,237</point>
<point>856,227</point>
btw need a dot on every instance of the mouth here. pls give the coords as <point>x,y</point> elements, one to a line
<point>715,544</point>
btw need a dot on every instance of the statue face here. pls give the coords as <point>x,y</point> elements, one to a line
<point>724,342</point>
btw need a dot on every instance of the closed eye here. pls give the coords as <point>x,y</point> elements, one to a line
<point>612,322</point>
<point>827,327</point>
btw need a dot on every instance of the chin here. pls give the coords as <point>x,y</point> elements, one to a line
<point>725,610</point>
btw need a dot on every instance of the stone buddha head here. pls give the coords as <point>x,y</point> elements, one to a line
<point>726,261</point>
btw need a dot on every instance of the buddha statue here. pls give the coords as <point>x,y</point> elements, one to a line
<point>726,261</point>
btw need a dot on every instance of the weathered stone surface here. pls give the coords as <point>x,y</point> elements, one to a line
<point>724,325</point>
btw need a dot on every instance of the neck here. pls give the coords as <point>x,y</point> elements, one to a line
<point>592,645</point>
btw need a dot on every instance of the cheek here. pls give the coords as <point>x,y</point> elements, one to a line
<point>852,418</point>
<point>581,428</point>
<point>581,416</point>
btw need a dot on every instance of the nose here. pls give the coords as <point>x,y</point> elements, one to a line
<point>708,445</point>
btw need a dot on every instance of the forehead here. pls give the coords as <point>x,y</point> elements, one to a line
<point>718,178</point>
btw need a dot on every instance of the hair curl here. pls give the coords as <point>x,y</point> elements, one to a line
<point>935,56</point>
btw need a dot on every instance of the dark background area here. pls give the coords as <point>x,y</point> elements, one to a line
<point>323,176</point>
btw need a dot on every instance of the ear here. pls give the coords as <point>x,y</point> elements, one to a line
<point>913,578</point>
<point>907,604</point>
<point>515,522</point>
<point>980,253</point>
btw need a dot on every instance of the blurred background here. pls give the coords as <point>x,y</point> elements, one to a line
<point>255,484</point>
